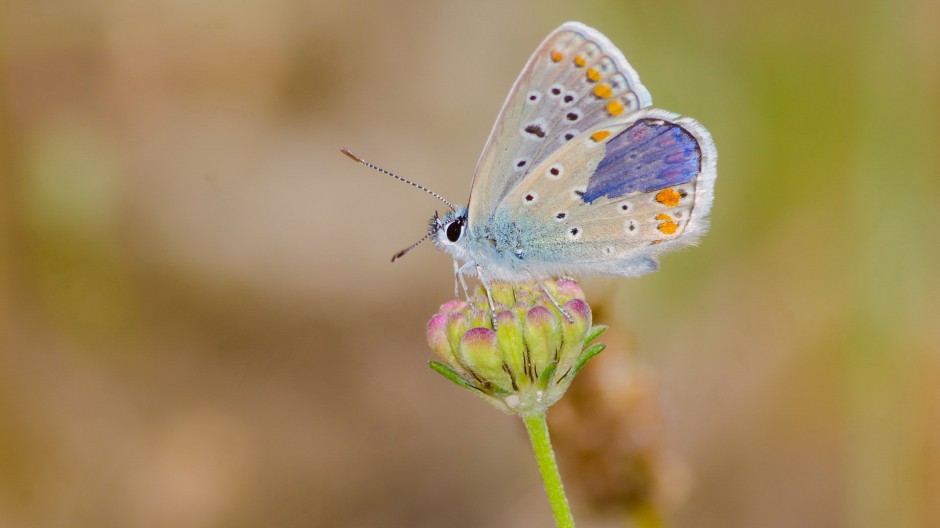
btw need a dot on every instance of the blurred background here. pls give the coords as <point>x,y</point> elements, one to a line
<point>200,326</point>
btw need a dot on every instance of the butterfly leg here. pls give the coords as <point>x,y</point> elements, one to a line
<point>550,296</point>
<point>456,281</point>
<point>489,297</point>
<point>461,281</point>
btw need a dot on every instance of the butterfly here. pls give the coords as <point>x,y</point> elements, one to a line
<point>580,175</point>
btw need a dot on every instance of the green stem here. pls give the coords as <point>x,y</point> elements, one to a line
<point>537,426</point>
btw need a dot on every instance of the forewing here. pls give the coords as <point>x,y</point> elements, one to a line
<point>576,80</point>
<point>615,196</point>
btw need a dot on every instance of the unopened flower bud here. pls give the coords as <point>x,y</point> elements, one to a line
<point>523,357</point>
<point>481,355</point>
<point>543,337</point>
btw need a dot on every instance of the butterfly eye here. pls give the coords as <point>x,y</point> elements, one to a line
<point>454,230</point>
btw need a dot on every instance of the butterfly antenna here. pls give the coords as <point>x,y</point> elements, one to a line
<point>435,227</point>
<point>357,159</point>
<point>401,253</point>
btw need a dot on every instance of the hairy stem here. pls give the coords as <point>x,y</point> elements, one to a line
<point>537,427</point>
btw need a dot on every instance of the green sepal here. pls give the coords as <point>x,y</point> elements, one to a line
<point>546,376</point>
<point>595,331</point>
<point>452,375</point>
<point>588,353</point>
<point>497,390</point>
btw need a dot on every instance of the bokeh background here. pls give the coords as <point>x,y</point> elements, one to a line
<point>199,325</point>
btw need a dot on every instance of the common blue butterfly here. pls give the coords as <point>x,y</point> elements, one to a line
<point>579,174</point>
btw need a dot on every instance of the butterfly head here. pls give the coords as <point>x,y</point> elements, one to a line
<point>450,231</point>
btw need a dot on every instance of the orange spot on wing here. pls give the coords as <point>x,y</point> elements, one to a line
<point>593,75</point>
<point>615,108</point>
<point>603,91</point>
<point>668,197</point>
<point>668,228</point>
<point>663,216</point>
<point>557,56</point>
<point>600,136</point>
<point>579,61</point>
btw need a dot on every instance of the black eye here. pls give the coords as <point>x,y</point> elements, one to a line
<point>453,230</point>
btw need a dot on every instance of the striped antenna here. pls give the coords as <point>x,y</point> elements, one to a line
<point>401,253</point>
<point>356,158</point>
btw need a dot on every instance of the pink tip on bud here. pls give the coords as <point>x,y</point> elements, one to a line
<point>480,352</point>
<point>437,336</point>
<point>579,310</point>
<point>437,323</point>
<point>479,337</point>
<point>574,334</point>
<point>506,318</point>
<point>539,316</point>
<point>568,289</point>
<point>454,305</point>
<point>541,336</point>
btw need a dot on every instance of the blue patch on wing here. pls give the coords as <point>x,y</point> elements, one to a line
<point>650,155</point>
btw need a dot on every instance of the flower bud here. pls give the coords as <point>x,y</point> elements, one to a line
<point>481,355</point>
<point>509,337</point>
<point>437,337</point>
<point>567,290</point>
<point>542,336</point>
<point>522,357</point>
<point>572,333</point>
<point>503,294</point>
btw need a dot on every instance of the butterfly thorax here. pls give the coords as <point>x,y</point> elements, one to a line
<point>498,245</point>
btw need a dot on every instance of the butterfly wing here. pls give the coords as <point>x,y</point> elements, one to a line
<point>613,197</point>
<point>574,81</point>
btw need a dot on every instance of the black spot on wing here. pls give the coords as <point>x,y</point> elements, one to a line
<point>535,130</point>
